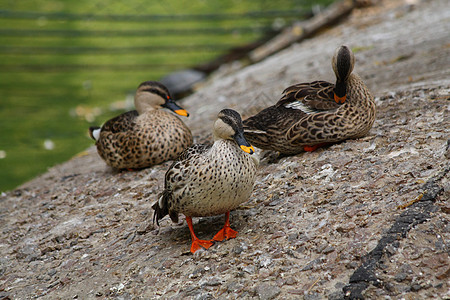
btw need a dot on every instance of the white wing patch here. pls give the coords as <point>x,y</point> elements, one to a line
<point>300,106</point>
<point>256,131</point>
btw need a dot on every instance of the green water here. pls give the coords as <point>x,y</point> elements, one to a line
<point>60,70</point>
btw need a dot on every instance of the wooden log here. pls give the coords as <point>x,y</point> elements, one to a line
<point>302,30</point>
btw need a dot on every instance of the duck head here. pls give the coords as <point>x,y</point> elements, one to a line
<point>152,95</point>
<point>343,62</point>
<point>228,126</point>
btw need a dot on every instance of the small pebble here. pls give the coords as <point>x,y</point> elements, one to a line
<point>267,291</point>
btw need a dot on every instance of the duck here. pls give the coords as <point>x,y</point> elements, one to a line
<point>208,180</point>
<point>145,136</point>
<point>311,115</point>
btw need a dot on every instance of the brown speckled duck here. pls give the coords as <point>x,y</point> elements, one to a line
<point>146,136</point>
<point>310,115</point>
<point>210,180</point>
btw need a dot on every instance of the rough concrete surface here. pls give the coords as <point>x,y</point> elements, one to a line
<point>366,218</point>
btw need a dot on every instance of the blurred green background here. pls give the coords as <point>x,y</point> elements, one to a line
<point>66,65</point>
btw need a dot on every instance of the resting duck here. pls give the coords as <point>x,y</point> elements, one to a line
<point>210,180</point>
<point>146,136</point>
<point>310,115</point>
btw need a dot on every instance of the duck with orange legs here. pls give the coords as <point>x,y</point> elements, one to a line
<point>209,180</point>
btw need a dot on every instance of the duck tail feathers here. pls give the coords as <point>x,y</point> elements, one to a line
<point>94,132</point>
<point>161,207</point>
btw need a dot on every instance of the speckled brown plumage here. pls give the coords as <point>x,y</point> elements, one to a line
<point>313,113</point>
<point>136,140</point>
<point>210,179</point>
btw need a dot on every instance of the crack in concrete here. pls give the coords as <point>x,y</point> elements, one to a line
<point>415,214</point>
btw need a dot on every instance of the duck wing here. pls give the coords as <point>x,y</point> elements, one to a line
<point>267,129</point>
<point>271,118</point>
<point>310,97</point>
<point>297,102</point>
<point>175,179</point>
<point>190,152</point>
<point>122,123</point>
<point>317,100</point>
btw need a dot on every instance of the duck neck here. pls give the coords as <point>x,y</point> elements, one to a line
<point>356,89</point>
<point>340,88</point>
<point>219,139</point>
<point>144,103</point>
<point>219,142</point>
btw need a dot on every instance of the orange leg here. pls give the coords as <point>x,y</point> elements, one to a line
<point>312,148</point>
<point>197,244</point>
<point>226,231</point>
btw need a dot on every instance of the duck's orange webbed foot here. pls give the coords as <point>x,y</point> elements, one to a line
<point>312,148</point>
<point>226,232</point>
<point>198,244</point>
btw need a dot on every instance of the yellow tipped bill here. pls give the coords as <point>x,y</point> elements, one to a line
<point>170,104</point>
<point>182,112</point>
<point>246,149</point>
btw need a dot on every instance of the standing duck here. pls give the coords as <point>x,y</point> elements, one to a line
<point>210,180</point>
<point>310,115</point>
<point>146,136</point>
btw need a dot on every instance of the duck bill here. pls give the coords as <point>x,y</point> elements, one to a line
<point>339,99</point>
<point>340,92</point>
<point>170,104</point>
<point>249,150</point>
<point>243,144</point>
